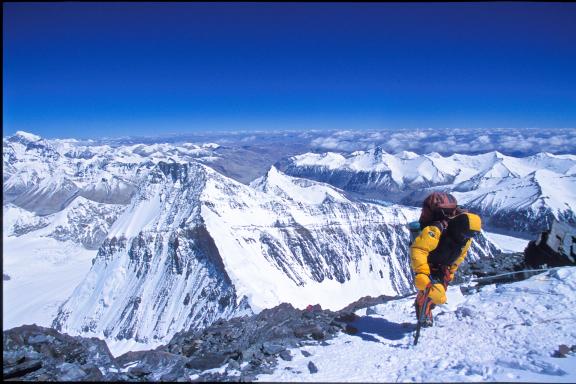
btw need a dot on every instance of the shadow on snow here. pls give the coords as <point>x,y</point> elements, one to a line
<point>369,326</point>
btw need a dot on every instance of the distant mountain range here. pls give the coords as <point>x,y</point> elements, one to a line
<point>513,194</point>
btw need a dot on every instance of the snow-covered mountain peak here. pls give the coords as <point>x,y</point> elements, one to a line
<point>499,170</point>
<point>378,152</point>
<point>281,240</point>
<point>102,172</point>
<point>498,155</point>
<point>170,190</point>
<point>296,189</point>
<point>329,160</point>
<point>406,155</point>
<point>180,245</point>
<point>23,136</point>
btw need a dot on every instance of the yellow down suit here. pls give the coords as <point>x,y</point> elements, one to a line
<point>439,253</point>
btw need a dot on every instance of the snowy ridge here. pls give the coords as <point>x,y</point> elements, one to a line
<point>297,189</point>
<point>522,194</point>
<point>503,333</point>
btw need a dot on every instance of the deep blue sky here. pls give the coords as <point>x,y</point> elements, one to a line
<point>89,69</point>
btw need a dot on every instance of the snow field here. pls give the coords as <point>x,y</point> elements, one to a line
<point>43,274</point>
<point>501,333</point>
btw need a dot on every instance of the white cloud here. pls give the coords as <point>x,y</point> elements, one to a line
<point>518,142</point>
<point>248,138</point>
<point>394,144</point>
<point>484,139</point>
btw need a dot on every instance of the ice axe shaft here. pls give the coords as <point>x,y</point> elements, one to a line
<point>422,314</point>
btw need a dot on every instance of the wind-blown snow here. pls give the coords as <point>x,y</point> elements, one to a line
<point>502,333</point>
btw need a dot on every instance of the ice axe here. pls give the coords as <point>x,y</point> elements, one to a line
<point>422,313</point>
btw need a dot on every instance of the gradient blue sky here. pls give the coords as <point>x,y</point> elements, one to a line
<point>90,69</point>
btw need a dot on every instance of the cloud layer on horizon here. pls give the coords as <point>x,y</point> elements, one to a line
<point>516,142</point>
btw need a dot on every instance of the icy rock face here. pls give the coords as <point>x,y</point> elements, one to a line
<point>518,194</point>
<point>85,222</point>
<point>314,234</point>
<point>159,271</point>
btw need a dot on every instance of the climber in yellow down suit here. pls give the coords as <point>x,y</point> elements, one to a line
<point>438,252</point>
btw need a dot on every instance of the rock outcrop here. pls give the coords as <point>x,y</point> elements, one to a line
<point>246,346</point>
<point>554,248</point>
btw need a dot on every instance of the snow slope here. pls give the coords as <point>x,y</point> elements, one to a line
<point>501,333</point>
<point>43,274</point>
<point>46,257</point>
